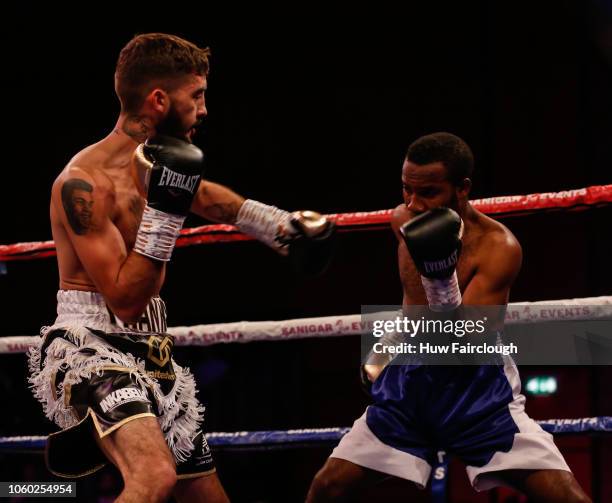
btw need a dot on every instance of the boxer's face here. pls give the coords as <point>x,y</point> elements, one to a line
<point>427,186</point>
<point>187,108</point>
<point>82,201</point>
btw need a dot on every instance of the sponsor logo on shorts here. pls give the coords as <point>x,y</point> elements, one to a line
<point>160,349</point>
<point>121,396</point>
<point>158,374</point>
<point>206,456</point>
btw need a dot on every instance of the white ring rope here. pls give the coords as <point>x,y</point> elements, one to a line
<point>588,308</point>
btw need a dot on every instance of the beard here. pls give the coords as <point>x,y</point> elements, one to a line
<point>172,125</point>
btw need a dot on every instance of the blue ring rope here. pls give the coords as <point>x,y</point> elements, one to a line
<point>321,435</point>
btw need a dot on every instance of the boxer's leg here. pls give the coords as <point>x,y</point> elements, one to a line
<point>361,459</point>
<point>205,489</point>
<point>139,451</point>
<point>197,477</point>
<point>385,441</point>
<point>502,445</point>
<point>340,479</point>
<point>557,486</point>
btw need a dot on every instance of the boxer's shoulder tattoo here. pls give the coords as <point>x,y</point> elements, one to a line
<point>77,199</point>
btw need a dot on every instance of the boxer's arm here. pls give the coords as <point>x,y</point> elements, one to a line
<point>305,236</point>
<point>127,280</point>
<point>411,283</point>
<point>501,261</point>
<point>373,368</point>
<point>216,203</point>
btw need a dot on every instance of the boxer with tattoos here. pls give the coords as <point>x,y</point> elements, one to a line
<point>104,371</point>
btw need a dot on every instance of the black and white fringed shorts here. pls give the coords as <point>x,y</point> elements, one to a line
<point>94,374</point>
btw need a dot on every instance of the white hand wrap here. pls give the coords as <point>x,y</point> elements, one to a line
<point>264,223</point>
<point>157,234</point>
<point>442,294</point>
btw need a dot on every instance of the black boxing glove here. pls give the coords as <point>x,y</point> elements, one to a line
<point>176,172</point>
<point>434,242</point>
<point>310,242</point>
<point>172,180</point>
<point>306,237</point>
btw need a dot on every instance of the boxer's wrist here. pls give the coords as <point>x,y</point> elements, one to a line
<point>442,294</point>
<point>263,222</point>
<point>157,234</point>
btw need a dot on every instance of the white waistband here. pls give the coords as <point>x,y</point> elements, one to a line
<point>73,301</point>
<point>79,308</point>
<point>75,307</point>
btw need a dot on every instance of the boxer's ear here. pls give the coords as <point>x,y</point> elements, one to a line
<point>158,100</point>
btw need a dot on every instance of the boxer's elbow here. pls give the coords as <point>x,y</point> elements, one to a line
<point>129,315</point>
<point>128,310</point>
<point>128,300</point>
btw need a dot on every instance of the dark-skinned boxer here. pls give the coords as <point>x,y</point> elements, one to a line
<point>450,255</point>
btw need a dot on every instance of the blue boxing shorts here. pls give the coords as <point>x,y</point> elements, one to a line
<point>473,412</point>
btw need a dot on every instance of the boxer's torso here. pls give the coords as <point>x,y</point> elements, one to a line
<point>111,170</point>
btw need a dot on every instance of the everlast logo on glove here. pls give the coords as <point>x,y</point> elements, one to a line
<point>433,239</point>
<point>175,174</point>
<point>441,265</point>
<point>171,178</point>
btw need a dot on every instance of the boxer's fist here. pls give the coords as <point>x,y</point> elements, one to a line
<point>305,236</point>
<point>174,175</point>
<point>434,242</point>
<point>309,239</point>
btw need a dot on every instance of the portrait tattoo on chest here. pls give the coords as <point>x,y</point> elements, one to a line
<point>77,199</point>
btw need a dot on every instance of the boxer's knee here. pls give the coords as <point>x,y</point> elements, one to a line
<point>154,480</point>
<point>566,498</point>
<point>557,486</point>
<point>327,486</point>
<point>577,495</point>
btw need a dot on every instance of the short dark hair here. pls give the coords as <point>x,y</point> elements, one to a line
<point>446,148</point>
<point>155,59</point>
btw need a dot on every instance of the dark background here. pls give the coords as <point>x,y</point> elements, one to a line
<point>314,107</point>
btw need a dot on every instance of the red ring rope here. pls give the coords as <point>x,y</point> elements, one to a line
<point>501,206</point>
